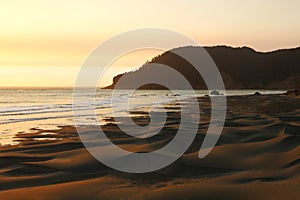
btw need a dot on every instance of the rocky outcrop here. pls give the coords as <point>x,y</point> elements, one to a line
<point>241,68</point>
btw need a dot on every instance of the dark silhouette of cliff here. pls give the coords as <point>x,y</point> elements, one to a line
<point>241,68</point>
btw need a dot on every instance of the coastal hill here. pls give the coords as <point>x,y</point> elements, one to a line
<point>241,68</point>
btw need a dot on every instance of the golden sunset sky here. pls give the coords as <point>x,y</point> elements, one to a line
<point>44,42</point>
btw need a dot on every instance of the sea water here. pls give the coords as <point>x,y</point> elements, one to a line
<point>24,110</point>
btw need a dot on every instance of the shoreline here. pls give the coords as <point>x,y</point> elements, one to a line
<point>45,118</point>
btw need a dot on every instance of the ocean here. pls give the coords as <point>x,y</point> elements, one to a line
<point>25,110</point>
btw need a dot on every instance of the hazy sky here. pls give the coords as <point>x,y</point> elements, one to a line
<point>44,42</point>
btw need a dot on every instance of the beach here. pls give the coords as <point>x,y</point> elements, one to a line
<point>256,157</point>
<point>150,100</point>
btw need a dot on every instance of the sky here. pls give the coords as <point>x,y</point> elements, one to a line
<point>43,43</point>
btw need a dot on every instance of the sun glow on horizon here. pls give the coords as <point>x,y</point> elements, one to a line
<point>43,43</point>
<point>65,76</point>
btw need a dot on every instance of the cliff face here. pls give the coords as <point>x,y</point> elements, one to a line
<point>241,68</point>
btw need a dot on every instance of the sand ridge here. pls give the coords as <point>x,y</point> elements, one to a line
<point>257,157</point>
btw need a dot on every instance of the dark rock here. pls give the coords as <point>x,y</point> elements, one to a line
<point>257,94</point>
<point>214,92</point>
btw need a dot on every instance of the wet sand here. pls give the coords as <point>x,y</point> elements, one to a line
<point>256,157</point>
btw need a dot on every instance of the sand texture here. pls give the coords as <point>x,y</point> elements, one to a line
<point>256,157</point>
